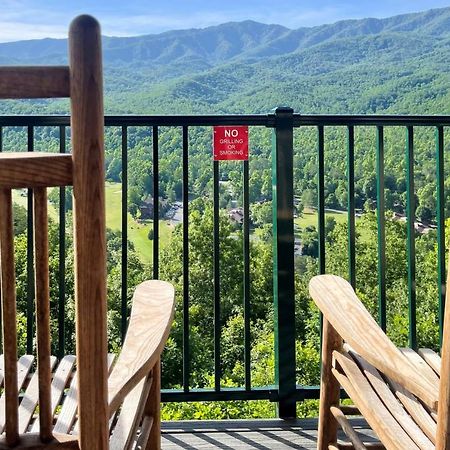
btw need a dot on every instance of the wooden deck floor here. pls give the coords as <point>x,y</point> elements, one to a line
<point>247,434</point>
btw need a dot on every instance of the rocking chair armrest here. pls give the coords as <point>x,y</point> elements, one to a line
<point>347,315</point>
<point>149,326</point>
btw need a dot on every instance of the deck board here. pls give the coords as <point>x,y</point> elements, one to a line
<point>246,434</point>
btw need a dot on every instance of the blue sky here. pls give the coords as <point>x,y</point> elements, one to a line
<point>31,19</point>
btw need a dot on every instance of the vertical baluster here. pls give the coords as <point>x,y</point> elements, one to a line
<point>351,205</point>
<point>216,269</point>
<point>62,255</point>
<point>381,230</point>
<point>155,203</point>
<point>321,207</point>
<point>8,284</point>
<point>186,350</point>
<point>321,196</point>
<point>246,251</point>
<point>440,218</point>
<point>124,264</point>
<point>30,257</point>
<point>42,310</point>
<point>411,250</point>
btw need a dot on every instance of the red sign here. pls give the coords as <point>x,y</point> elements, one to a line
<point>231,143</point>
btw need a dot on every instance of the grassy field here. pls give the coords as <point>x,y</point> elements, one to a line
<point>137,232</point>
<point>309,218</point>
<point>20,197</point>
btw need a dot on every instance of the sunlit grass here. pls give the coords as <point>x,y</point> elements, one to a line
<point>137,231</point>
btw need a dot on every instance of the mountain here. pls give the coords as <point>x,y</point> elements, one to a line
<point>212,45</point>
<point>395,65</point>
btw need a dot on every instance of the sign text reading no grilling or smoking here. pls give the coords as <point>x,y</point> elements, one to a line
<point>231,143</point>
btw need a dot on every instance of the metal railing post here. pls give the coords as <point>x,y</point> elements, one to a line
<point>283,261</point>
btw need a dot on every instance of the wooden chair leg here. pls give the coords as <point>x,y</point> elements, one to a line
<point>329,388</point>
<point>153,409</point>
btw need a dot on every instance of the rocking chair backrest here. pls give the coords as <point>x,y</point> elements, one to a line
<point>84,170</point>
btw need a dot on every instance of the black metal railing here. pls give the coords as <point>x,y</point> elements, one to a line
<point>283,122</point>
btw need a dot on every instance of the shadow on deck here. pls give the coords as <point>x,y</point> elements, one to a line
<point>247,434</point>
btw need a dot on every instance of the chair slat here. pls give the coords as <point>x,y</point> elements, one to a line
<point>431,358</point>
<point>8,285</point>
<point>416,410</point>
<point>421,365</point>
<point>32,170</point>
<point>23,369</point>
<point>347,427</point>
<point>67,417</point>
<point>30,400</point>
<point>393,404</point>
<point>34,82</point>
<point>62,375</point>
<point>68,411</point>
<point>153,408</point>
<point>110,360</point>
<point>144,434</point>
<point>126,427</point>
<point>59,383</point>
<point>370,405</point>
<point>42,288</point>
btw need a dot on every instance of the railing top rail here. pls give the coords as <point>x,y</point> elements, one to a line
<point>370,120</point>
<point>264,120</point>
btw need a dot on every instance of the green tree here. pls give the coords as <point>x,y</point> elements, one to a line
<point>20,219</point>
<point>53,197</point>
<point>261,213</point>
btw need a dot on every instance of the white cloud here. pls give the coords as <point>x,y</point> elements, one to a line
<point>17,31</point>
<point>308,18</point>
<point>21,20</point>
<point>151,23</point>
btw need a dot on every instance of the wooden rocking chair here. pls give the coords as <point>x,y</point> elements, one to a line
<point>97,412</point>
<point>403,395</point>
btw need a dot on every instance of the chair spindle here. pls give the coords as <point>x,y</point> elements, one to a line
<point>8,284</point>
<point>42,311</point>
